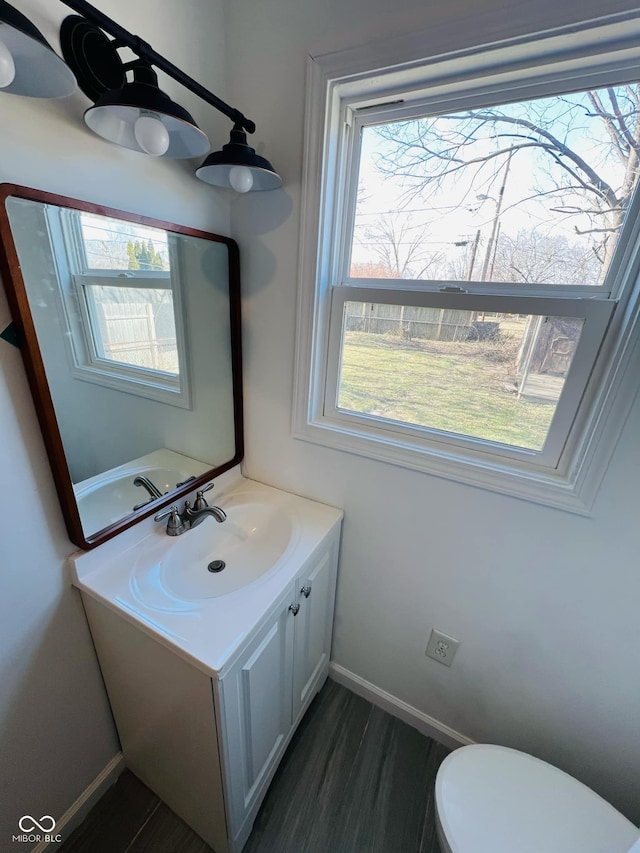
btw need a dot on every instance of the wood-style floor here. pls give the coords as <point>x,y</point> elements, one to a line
<point>353,780</point>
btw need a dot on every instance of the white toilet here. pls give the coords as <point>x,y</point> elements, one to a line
<point>490,799</point>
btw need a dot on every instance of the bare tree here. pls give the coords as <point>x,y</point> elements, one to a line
<point>400,246</point>
<point>369,269</point>
<point>576,167</point>
<point>533,256</point>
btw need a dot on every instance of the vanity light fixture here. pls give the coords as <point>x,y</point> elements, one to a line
<point>238,166</point>
<point>134,114</point>
<point>137,114</point>
<point>130,111</point>
<point>28,64</point>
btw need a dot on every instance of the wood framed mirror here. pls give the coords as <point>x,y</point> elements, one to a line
<point>130,332</point>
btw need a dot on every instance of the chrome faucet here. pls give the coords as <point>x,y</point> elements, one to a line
<point>179,522</point>
<point>196,516</point>
<point>175,524</point>
<point>153,490</point>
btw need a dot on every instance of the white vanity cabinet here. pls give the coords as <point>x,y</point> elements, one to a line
<point>264,695</point>
<point>315,594</point>
<point>253,702</point>
<point>208,743</point>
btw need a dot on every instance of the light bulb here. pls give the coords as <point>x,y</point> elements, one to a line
<point>151,135</point>
<point>7,66</point>
<point>240,178</point>
<point>103,122</point>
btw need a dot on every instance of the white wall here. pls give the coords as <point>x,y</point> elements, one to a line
<point>546,604</point>
<point>56,728</point>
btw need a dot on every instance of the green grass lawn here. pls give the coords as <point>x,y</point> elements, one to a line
<point>455,387</point>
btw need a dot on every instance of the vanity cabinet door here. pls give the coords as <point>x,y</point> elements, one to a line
<point>314,623</point>
<point>256,699</point>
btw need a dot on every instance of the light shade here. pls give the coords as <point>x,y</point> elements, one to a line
<point>115,113</point>
<point>217,167</point>
<point>39,71</point>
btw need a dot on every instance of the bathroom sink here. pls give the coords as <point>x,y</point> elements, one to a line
<point>107,497</point>
<point>104,502</point>
<point>162,584</point>
<point>215,559</point>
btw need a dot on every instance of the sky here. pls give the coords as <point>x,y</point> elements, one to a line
<point>463,204</point>
<point>109,238</point>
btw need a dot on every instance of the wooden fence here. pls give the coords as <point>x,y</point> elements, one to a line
<point>409,323</point>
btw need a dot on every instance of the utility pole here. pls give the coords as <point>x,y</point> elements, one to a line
<point>495,249</point>
<point>496,219</point>
<point>473,255</point>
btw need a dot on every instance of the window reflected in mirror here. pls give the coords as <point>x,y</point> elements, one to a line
<point>122,294</point>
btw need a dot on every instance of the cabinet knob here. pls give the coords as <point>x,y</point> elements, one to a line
<point>306,591</point>
<point>294,608</point>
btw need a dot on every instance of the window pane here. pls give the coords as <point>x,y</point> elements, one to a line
<point>531,192</point>
<point>496,377</point>
<point>113,244</point>
<point>134,326</point>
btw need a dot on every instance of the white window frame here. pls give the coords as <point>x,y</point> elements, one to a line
<point>85,361</point>
<point>596,315</point>
<point>353,87</point>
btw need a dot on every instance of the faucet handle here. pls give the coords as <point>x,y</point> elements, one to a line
<point>144,503</point>
<point>184,482</point>
<point>200,501</point>
<point>165,513</point>
<point>175,524</point>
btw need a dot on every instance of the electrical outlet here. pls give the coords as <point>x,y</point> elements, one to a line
<point>441,647</point>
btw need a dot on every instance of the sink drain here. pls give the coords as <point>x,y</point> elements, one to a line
<point>216,565</point>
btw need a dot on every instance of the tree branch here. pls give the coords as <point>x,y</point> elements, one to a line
<point>596,230</point>
<point>619,146</point>
<point>591,173</point>
<point>624,128</point>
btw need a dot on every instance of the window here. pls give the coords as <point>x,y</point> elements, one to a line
<point>122,304</point>
<point>475,261</point>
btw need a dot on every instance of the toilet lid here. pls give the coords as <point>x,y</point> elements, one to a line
<point>491,799</point>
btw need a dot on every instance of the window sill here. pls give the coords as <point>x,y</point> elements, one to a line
<point>549,489</point>
<point>121,377</point>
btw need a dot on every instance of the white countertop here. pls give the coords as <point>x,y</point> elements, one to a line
<point>208,632</point>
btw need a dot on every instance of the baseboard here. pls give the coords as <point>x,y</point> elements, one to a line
<point>77,812</point>
<point>402,710</point>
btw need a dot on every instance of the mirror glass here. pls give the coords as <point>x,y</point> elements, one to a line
<point>130,331</point>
